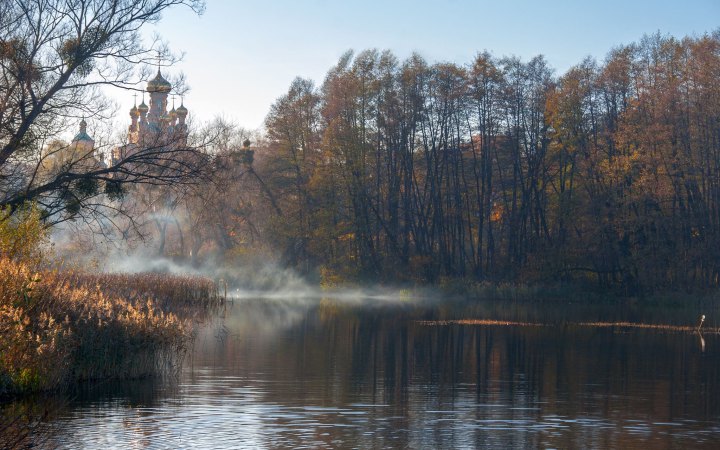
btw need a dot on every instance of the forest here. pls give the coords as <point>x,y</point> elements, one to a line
<point>497,170</point>
<point>408,252</point>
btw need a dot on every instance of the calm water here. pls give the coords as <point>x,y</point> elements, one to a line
<point>273,373</point>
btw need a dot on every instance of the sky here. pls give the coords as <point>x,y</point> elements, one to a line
<point>240,56</point>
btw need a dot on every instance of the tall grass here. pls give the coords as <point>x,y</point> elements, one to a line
<point>184,295</point>
<point>58,327</point>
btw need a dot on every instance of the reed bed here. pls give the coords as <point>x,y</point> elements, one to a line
<point>60,327</point>
<point>485,322</point>
<point>621,325</point>
<point>184,295</point>
<point>649,326</point>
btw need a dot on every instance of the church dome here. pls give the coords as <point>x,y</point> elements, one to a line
<point>82,135</point>
<point>159,84</point>
<point>182,111</point>
<point>143,108</point>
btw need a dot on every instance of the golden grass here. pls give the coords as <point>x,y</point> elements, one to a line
<point>61,327</point>
<point>181,294</point>
<point>631,325</point>
<point>485,322</point>
<point>648,326</point>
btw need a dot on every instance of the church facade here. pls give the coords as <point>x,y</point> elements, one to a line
<point>154,126</point>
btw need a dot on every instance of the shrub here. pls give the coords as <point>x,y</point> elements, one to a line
<point>23,235</point>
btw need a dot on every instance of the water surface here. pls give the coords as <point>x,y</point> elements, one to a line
<point>373,373</point>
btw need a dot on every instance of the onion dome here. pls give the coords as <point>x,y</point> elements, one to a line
<point>181,111</point>
<point>159,84</point>
<point>82,135</point>
<point>143,108</point>
<point>133,111</point>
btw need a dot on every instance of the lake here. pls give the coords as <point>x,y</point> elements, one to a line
<point>393,372</point>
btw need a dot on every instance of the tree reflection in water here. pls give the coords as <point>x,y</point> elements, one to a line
<point>330,373</point>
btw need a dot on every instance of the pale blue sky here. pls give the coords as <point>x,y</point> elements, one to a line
<point>242,55</point>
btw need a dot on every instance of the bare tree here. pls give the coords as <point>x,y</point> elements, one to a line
<point>55,56</point>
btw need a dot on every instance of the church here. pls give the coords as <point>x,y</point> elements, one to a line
<point>79,156</point>
<point>154,126</point>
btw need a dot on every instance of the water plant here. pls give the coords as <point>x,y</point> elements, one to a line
<point>58,327</point>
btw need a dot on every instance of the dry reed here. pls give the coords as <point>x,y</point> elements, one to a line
<point>479,322</point>
<point>61,327</point>
<point>631,325</point>
<point>649,326</point>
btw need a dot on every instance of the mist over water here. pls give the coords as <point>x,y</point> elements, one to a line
<point>258,280</point>
<point>289,364</point>
<point>96,249</point>
<point>331,372</point>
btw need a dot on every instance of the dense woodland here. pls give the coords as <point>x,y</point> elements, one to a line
<point>497,170</point>
<point>500,170</point>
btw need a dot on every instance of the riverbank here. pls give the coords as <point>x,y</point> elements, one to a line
<point>61,327</point>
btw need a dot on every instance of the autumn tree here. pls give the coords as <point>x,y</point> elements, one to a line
<point>499,170</point>
<point>293,127</point>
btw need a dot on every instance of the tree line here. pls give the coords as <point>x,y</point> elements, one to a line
<point>499,170</point>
